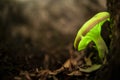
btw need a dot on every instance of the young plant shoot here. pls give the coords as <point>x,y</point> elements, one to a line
<point>91,31</point>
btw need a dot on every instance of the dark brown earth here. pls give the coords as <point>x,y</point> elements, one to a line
<point>36,39</point>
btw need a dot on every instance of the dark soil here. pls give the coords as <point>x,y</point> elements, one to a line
<point>36,39</point>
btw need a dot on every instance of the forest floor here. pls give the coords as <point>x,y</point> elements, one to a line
<point>79,66</point>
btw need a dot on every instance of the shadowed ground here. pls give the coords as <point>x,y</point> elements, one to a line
<point>40,34</point>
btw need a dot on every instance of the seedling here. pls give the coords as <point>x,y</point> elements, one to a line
<point>91,31</point>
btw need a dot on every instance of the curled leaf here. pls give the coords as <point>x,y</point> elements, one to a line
<point>91,31</point>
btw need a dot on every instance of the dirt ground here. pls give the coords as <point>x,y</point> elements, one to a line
<point>36,39</point>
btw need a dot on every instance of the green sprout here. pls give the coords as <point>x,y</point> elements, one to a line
<point>91,31</point>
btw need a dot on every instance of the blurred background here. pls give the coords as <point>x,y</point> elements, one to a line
<point>40,33</point>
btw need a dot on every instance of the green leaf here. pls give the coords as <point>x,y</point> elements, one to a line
<point>91,68</point>
<point>91,31</point>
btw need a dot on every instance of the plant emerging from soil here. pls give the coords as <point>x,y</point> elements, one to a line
<point>91,32</point>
